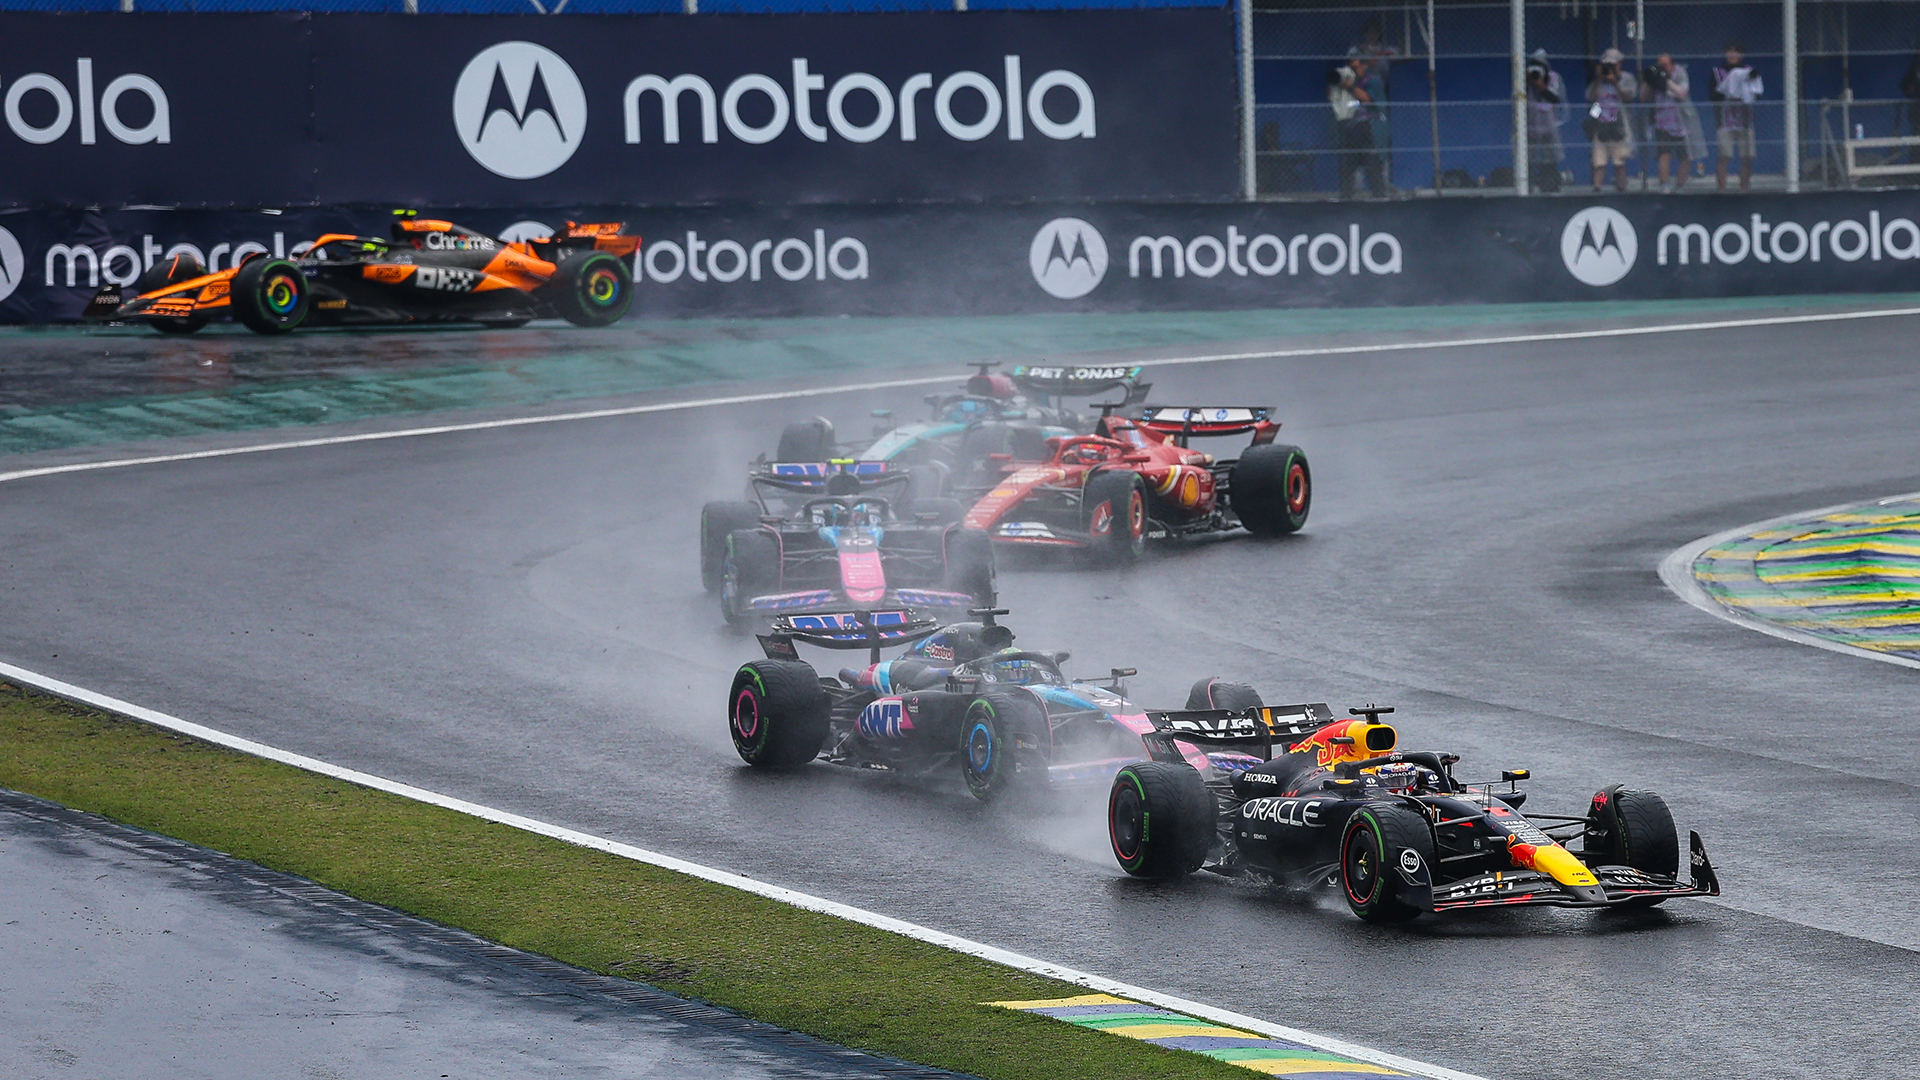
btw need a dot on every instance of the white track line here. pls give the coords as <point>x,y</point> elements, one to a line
<point>1676,572</point>
<point>722,877</point>
<point>933,380</point>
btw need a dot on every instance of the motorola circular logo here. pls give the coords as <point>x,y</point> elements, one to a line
<point>13,263</point>
<point>1069,257</point>
<point>1598,245</point>
<point>519,110</point>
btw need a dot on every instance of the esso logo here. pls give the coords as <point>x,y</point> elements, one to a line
<point>13,263</point>
<point>1068,258</point>
<point>519,110</point>
<point>1599,245</point>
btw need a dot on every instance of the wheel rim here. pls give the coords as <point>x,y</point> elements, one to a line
<point>281,293</point>
<point>1136,517</point>
<point>601,287</point>
<point>1360,866</point>
<point>1102,521</point>
<point>746,715</point>
<point>1296,488</point>
<point>1124,823</point>
<point>980,751</point>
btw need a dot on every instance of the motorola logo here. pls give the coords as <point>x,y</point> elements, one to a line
<point>13,263</point>
<point>1068,257</point>
<point>1598,245</point>
<point>519,109</point>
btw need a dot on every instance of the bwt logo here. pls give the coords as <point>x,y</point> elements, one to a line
<point>40,109</point>
<point>521,112</point>
<point>1599,245</point>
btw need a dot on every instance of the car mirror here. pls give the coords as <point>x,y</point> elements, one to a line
<point>1512,775</point>
<point>1136,459</point>
<point>1062,656</point>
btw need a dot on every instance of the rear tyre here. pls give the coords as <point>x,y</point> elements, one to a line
<point>1115,504</point>
<point>718,520</point>
<point>172,271</point>
<point>1379,839</point>
<point>1217,693</point>
<point>1000,752</point>
<point>1627,827</point>
<point>270,296</point>
<point>808,441</point>
<point>1271,489</point>
<point>945,511</point>
<point>751,568</point>
<point>777,713</point>
<point>591,288</point>
<point>970,565</point>
<point>1160,819</point>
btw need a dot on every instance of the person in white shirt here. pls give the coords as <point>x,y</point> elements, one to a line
<point>1735,88</point>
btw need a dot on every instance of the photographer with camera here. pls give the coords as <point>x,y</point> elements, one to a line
<point>1353,126</point>
<point>1735,88</point>
<point>1546,91</point>
<point>1676,127</point>
<point>1609,122</point>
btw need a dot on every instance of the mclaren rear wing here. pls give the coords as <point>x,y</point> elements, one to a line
<point>1187,421</point>
<point>1257,728</point>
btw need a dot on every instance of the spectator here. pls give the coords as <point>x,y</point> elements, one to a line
<point>1676,127</point>
<point>1609,122</point>
<point>1546,92</point>
<point>1379,57</point>
<point>1735,87</point>
<point>1353,126</point>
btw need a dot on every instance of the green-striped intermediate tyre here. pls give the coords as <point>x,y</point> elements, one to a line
<point>269,296</point>
<point>1271,489</point>
<point>591,288</point>
<point>1380,839</point>
<point>777,713</point>
<point>1160,819</point>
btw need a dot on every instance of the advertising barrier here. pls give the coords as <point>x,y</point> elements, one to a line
<point>646,110</point>
<point>1091,256</point>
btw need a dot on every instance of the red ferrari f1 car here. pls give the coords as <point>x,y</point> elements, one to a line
<point>1135,480</point>
<point>429,271</point>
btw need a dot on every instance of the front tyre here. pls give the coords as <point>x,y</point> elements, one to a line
<point>752,568</point>
<point>1383,844</point>
<point>1160,819</point>
<point>1115,504</point>
<point>591,288</point>
<point>778,713</point>
<point>718,520</point>
<point>1627,827</point>
<point>270,296</point>
<point>1271,489</point>
<point>1000,755</point>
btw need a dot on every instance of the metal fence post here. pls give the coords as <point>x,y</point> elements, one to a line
<point>1249,174</point>
<point>1518,30</point>
<point>1790,34</point>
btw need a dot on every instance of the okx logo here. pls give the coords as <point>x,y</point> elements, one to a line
<point>1068,257</point>
<point>519,110</point>
<point>13,263</point>
<point>1599,245</point>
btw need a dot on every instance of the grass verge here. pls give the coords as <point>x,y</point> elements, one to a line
<point>809,972</point>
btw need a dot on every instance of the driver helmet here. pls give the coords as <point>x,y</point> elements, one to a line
<point>1405,776</point>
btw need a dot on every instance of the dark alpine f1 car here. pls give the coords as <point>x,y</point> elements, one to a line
<point>824,536</point>
<point>1135,480</point>
<point>1392,829</point>
<point>427,272</point>
<point>961,702</point>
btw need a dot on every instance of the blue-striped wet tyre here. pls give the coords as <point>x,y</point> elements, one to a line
<point>1000,751</point>
<point>1215,692</point>
<point>777,713</point>
<point>270,296</point>
<point>1271,489</point>
<point>1376,842</point>
<point>1161,819</point>
<point>591,288</point>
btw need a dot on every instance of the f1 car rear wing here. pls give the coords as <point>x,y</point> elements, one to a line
<point>839,477</point>
<point>1186,421</point>
<point>1261,727</point>
<point>870,630</point>
<point>1082,380</point>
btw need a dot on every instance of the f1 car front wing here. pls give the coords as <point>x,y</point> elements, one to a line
<point>1618,885</point>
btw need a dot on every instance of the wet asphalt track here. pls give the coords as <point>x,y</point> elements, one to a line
<point>514,617</point>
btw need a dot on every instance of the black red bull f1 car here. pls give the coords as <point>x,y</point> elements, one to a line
<point>426,272</point>
<point>959,703</point>
<point>1393,829</point>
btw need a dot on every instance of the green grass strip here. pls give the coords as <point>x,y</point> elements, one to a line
<point>838,980</point>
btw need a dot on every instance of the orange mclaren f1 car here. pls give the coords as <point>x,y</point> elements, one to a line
<point>427,272</point>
